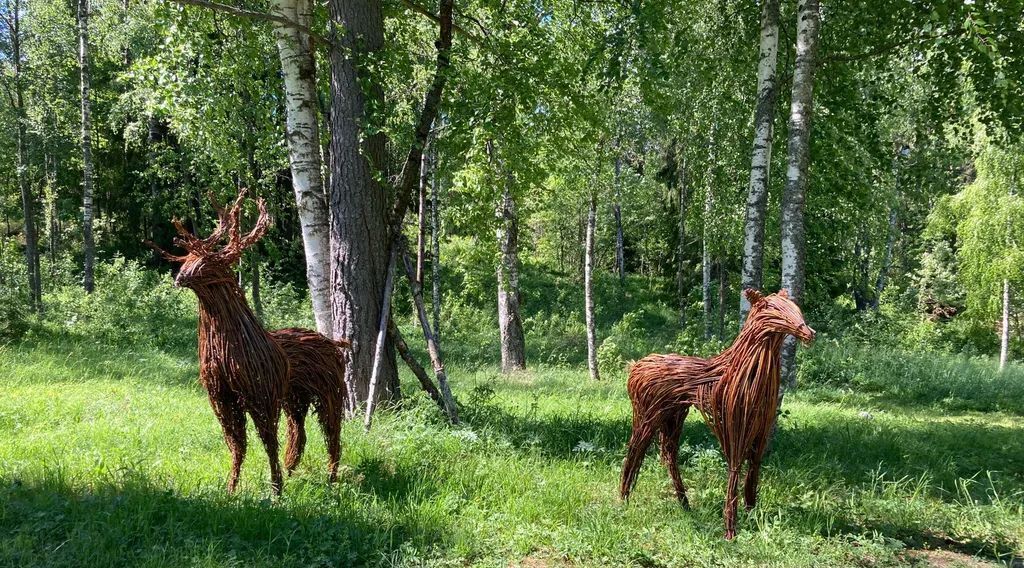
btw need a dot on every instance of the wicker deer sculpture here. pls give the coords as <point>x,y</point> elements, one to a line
<point>247,370</point>
<point>736,391</point>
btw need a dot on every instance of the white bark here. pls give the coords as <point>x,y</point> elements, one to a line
<point>88,247</point>
<point>794,195</point>
<point>588,288</point>
<point>1004,336</point>
<point>302,130</point>
<point>757,197</point>
<point>706,265</point>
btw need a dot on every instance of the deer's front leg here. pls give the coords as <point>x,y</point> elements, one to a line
<point>232,420</point>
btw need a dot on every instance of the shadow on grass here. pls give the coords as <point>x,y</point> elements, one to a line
<point>835,448</point>
<point>53,524</point>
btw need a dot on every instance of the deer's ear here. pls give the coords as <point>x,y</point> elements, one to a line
<point>783,293</point>
<point>752,295</point>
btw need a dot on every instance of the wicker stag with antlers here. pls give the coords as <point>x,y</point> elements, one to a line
<point>246,369</point>
<point>736,391</point>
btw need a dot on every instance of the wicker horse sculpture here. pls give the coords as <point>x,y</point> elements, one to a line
<point>736,391</point>
<point>246,369</point>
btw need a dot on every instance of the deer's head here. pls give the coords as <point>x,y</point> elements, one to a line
<point>778,313</point>
<point>208,261</point>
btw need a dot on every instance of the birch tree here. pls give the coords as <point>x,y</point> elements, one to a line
<point>588,284</point>
<point>302,131</point>
<point>88,244</point>
<point>797,160</point>
<point>764,114</point>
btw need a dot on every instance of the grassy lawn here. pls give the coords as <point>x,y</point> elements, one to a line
<point>113,457</point>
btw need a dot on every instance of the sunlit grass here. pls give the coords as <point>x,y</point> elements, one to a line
<point>112,457</point>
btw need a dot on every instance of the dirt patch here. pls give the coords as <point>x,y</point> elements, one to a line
<point>947,559</point>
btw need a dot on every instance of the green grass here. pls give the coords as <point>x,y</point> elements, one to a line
<point>113,457</point>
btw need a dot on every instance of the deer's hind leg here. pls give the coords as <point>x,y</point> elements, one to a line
<point>295,411</point>
<point>671,431</point>
<point>329,413</point>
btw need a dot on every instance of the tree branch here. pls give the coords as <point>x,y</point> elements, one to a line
<point>244,13</point>
<point>430,16</point>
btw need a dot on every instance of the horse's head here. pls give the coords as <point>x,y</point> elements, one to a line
<point>778,313</point>
<point>207,261</point>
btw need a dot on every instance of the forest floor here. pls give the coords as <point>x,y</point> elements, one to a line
<point>113,457</point>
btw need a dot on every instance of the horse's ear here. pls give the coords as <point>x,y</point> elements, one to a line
<point>752,295</point>
<point>783,293</point>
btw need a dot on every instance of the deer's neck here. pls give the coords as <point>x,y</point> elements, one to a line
<point>755,352</point>
<point>226,320</point>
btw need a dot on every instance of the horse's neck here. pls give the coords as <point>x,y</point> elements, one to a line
<point>226,320</point>
<point>754,350</point>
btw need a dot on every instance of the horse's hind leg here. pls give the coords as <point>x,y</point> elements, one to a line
<point>295,414</point>
<point>639,441</point>
<point>670,434</point>
<point>330,414</point>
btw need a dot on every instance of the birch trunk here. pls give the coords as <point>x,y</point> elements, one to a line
<point>32,263</point>
<point>588,288</point>
<point>417,370</point>
<point>757,197</point>
<point>620,252</point>
<point>1004,335</point>
<point>302,131</point>
<point>798,153</point>
<point>510,325</point>
<point>681,247</point>
<point>721,299</point>
<point>359,215</point>
<point>88,246</point>
<point>377,367</point>
<point>706,266</point>
<point>421,237</point>
<point>883,272</point>
<point>435,240</point>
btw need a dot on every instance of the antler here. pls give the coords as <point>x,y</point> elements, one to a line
<point>238,243</point>
<point>162,252</point>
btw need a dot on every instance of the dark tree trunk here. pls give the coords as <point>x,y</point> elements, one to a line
<point>683,197</point>
<point>510,324</point>
<point>88,246</point>
<point>359,212</point>
<point>27,199</point>
<point>435,239</point>
<point>417,370</point>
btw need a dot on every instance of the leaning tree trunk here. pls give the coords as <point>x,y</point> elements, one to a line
<point>510,325</point>
<point>620,246</point>
<point>27,201</point>
<point>588,288</point>
<point>88,246</point>
<point>794,238</point>
<point>359,213</point>
<point>1004,335</point>
<point>435,240</point>
<point>302,130</point>
<point>681,291</point>
<point>757,197</point>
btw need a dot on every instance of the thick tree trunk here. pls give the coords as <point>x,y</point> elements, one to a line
<point>1004,335</point>
<point>588,288</point>
<point>302,131</point>
<point>620,252</point>
<point>359,212</point>
<point>88,246</point>
<point>510,324</point>
<point>757,197</point>
<point>27,199</point>
<point>681,291</point>
<point>794,238</point>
